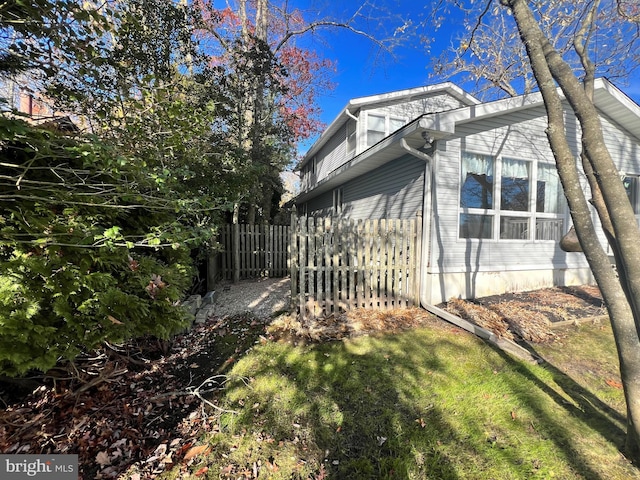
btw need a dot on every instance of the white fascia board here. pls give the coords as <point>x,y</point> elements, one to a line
<point>358,162</point>
<point>410,93</point>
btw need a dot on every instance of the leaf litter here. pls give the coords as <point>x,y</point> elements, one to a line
<point>146,412</point>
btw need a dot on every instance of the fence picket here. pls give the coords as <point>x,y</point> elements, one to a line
<point>318,259</point>
<point>311,267</point>
<point>326,240</point>
<point>302,229</point>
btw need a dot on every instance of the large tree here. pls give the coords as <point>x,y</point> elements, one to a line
<point>562,46</point>
<point>278,78</point>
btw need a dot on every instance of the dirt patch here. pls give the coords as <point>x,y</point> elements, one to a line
<point>351,324</point>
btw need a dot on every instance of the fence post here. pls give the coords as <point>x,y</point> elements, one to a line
<point>293,259</point>
<point>235,240</point>
<point>417,275</point>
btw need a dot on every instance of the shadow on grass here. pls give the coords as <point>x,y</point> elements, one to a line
<point>427,405</point>
<point>579,403</point>
<point>379,431</point>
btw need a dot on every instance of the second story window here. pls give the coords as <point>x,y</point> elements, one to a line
<point>375,129</point>
<point>379,126</point>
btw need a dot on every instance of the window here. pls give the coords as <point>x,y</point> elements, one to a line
<point>395,124</point>
<point>477,181</point>
<point>550,203</point>
<point>375,129</point>
<point>509,209</point>
<point>351,136</point>
<point>337,201</point>
<point>379,126</point>
<point>515,196</point>
<point>476,193</point>
<point>515,182</point>
<point>631,186</point>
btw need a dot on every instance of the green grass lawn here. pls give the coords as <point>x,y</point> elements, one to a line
<point>428,403</point>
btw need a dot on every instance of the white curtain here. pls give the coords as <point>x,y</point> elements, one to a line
<point>477,164</point>
<point>515,168</point>
<point>548,175</point>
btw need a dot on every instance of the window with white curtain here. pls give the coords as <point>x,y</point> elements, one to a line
<point>476,196</point>
<point>550,203</point>
<point>510,209</point>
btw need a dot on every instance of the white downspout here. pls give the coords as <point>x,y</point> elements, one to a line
<point>349,114</point>
<point>425,298</point>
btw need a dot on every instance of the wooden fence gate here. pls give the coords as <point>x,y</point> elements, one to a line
<point>339,264</point>
<point>252,251</point>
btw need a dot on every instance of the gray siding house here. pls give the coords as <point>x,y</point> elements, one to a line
<point>482,176</point>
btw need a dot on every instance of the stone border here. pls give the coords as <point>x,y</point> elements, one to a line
<point>578,321</point>
<point>200,307</point>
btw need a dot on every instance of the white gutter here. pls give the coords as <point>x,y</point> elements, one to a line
<point>349,114</point>
<point>425,300</point>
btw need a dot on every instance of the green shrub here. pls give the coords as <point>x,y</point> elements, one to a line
<point>91,249</point>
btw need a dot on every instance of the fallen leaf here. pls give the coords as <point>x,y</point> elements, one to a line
<point>613,383</point>
<point>202,471</point>
<point>114,320</point>
<point>195,451</point>
<point>103,459</point>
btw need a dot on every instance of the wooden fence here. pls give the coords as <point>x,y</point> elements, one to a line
<point>258,251</point>
<point>339,264</point>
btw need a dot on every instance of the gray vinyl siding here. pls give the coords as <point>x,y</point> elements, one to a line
<point>518,135</point>
<point>415,108</point>
<point>322,205</point>
<point>332,154</point>
<point>394,190</point>
<point>624,148</point>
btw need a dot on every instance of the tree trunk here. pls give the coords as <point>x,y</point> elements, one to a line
<point>621,295</point>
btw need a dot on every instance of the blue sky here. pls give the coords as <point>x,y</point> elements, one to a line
<point>361,68</point>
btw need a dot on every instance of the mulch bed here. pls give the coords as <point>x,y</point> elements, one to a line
<point>531,316</point>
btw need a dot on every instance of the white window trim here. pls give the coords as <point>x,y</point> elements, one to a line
<point>387,125</point>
